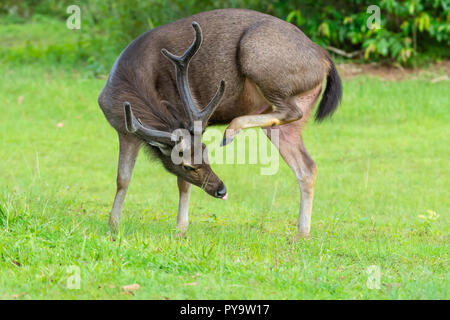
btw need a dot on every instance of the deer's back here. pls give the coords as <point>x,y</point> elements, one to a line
<point>142,71</point>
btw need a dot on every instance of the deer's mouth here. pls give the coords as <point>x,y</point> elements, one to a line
<point>221,193</point>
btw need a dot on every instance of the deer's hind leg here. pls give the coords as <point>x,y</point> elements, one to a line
<point>128,152</point>
<point>290,144</point>
<point>285,67</point>
<point>281,110</point>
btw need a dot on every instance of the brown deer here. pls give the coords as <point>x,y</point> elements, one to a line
<point>273,75</point>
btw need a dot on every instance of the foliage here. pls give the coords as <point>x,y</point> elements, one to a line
<point>410,30</point>
<point>406,27</point>
<point>428,221</point>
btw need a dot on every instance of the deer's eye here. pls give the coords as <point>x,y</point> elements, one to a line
<point>187,167</point>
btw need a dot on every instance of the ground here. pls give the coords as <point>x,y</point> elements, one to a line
<point>437,72</point>
<point>381,200</point>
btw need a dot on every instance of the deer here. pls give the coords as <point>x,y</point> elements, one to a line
<point>243,69</point>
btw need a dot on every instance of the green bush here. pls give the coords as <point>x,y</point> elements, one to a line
<point>410,30</point>
<point>407,28</point>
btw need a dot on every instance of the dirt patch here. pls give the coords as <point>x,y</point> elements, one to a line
<point>436,72</point>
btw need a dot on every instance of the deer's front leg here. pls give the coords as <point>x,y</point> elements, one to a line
<point>184,188</point>
<point>129,150</point>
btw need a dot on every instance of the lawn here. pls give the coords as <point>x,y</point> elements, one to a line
<point>382,200</point>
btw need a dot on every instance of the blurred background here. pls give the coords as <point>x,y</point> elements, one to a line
<point>413,33</point>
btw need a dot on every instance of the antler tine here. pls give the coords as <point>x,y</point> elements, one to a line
<point>181,68</point>
<point>148,134</point>
<point>186,57</point>
<point>206,113</point>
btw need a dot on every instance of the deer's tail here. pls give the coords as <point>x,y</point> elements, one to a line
<point>332,94</point>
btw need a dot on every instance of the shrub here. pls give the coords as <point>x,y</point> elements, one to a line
<point>410,29</point>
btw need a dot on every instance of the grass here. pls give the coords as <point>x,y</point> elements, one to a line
<point>383,170</point>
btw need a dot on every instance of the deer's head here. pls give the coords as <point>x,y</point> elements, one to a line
<point>180,152</point>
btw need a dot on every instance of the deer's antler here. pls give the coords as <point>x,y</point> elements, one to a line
<point>181,67</point>
<point>148,134</point>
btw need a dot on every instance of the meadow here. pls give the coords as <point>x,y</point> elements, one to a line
<point>381,199</point>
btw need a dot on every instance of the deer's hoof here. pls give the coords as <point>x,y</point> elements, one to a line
<point>226,141</point>
<point>113,225</point>
<point>229,136</point>
<point>301,235</point>
<point>181,235</point>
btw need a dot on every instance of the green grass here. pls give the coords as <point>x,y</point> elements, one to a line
<point>38,38</point>
<point>383,161</point>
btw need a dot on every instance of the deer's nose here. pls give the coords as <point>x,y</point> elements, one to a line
<point>221,192</point>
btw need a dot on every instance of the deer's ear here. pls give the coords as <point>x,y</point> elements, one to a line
<point>164,148</point>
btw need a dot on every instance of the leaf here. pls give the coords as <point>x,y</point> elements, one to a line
<point>411,8</point>
<point>324,29</point>
<point>371,48</point>
<point>405,26</point>
<point>297,15</point>
<point>382,47</point>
